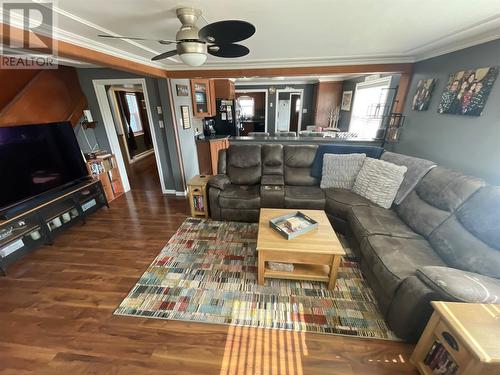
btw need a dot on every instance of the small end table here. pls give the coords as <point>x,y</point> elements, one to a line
<point>197,193</point>
<point>460,338</point>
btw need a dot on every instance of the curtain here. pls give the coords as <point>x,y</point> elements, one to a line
<point>125,115</point>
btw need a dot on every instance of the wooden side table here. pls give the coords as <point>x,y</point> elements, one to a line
<point>460,339</point>
<point>197,192</point>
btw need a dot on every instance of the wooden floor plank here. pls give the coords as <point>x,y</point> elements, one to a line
<point>57,303</point>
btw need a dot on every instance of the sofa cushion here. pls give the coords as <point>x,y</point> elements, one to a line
<point>317,167</point>
<point>340,201</point>
<point>417,169</point>
<point>306,197</point>
<point>298,161</point>
<point>461,249</point>
<point>438,195</point>
<point>240,196</point>
<point>379,181</point>
<point>243,164</point>
<point>366,221</point>
<point>272,159</point>
<point>393,259</point>
<point>340,171</point>
<point>480,215</point>
<point>462,286</point>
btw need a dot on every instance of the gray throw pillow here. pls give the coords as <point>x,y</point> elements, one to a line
<point>379,181</point>
<point>341,170</point>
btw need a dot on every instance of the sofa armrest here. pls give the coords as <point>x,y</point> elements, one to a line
<point>272,180</point>
<point>461,286</point>
<point>219,181</point>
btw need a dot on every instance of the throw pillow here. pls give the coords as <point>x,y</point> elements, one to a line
<point>341,170</point>
<point>379,181</point>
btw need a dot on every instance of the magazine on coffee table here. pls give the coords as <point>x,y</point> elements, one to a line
<point>293,224</point>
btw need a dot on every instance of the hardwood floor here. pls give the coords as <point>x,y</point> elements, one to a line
<point>143,174</point>
<point>56,312</point>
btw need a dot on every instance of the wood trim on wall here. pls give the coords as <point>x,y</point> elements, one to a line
<point>73,51</point>
<point>291,71</point>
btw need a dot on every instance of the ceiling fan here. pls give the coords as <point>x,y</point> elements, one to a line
<point>193,44</point>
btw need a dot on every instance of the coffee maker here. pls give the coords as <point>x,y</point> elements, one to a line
<point>208,127</point>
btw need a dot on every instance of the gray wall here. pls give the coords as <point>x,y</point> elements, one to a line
<point>271,110</point>
<point>468,144</point>
<point>186,136</point>
<point>166,149</point>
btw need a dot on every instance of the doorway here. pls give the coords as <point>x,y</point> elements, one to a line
<point>251,106</point>
<point>138,169</point>
<point>289,104</point>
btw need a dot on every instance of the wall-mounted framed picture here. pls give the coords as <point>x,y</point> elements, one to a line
<point>182,90</point>
<point>346,101</point>
<point>186,120</point>
<point>467,91</point>
<point>422,96</point>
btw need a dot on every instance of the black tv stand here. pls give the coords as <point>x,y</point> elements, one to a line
<point>39,224</point>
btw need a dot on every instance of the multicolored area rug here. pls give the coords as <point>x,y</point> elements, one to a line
<point>207,273</point>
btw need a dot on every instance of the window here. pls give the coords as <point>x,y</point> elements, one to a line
<point>135,117</point>
<point>247,106</point>
<point>369,106</point>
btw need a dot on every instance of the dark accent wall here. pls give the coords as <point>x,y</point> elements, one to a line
<point>168,156</point>
<point>468,144</point>
<point>271,110</point>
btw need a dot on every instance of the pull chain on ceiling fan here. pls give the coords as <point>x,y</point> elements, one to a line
<point>193,44</point>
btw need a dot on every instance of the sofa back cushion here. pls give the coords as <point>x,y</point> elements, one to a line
<point>435,198</point>
<point>243,164</point>
<point>298,162</point>
<point>470,238</point>
<point>272,159</point>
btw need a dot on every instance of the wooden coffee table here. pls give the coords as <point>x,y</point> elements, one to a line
<point>315,255</point>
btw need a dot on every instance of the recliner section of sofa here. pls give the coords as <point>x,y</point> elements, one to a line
<point>446,231</point>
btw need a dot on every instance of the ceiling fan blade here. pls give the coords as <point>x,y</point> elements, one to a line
<point>224,32</point>
<point>228,50</point>
<point>164,55</point>
<point>161,41</point>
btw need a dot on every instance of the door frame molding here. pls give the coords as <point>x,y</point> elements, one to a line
<point>109,125</point>
<point>266,91</point>
<point>289,89</point>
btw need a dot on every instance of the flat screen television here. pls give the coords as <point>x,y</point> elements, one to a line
<point>37,159</point>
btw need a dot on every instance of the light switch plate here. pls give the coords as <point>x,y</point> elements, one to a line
<point>161,124</point>
<point>159,110</point>
<point>304,110</point>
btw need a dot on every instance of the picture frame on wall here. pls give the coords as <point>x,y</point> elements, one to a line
<point>467,91</point>
<point>346,101</point>
<point>182,90</point>
<point>186,120</point>
<point>423,95</point>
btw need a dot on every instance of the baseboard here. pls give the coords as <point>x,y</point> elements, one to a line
<point>176,193</point>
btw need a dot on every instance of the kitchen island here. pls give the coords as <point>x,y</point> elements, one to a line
<point>305,140</point>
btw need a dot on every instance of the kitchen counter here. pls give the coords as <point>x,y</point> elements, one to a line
<point>213,138</point>
<point>305,140</point>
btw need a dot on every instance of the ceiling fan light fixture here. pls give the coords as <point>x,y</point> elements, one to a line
<point>192,53</point>
<point>193,58</point>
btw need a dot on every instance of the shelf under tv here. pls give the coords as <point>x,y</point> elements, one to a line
<point>39,224</point>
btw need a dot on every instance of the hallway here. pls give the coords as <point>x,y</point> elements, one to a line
<point>143,174</point>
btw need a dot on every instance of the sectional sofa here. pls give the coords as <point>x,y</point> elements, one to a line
<point>442,242</point>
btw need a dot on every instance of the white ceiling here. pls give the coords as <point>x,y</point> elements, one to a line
<point>290,32</point>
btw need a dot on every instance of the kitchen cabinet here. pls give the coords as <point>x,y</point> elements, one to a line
<point>203,97</point>
<point>208,153</point>
<point>224,89</point>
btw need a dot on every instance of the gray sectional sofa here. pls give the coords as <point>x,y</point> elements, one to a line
<point>442,242</point>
